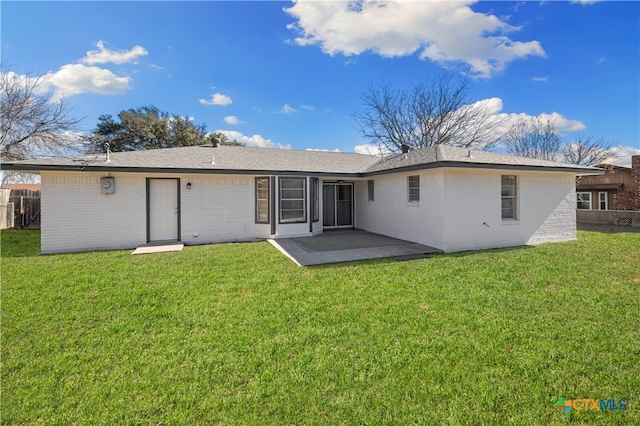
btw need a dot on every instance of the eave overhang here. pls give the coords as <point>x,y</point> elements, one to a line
<point>32,168</point>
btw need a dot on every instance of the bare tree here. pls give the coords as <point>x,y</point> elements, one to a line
<point>32,123</point>
<point>533,138</point>
<point>438,111</point>
<point>588,150</point>
<point>536,138</point>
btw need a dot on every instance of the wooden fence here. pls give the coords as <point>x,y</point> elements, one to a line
<point>26,207</point>
<point>7,216</point>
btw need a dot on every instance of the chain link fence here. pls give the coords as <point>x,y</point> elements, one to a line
<point>611,221</point>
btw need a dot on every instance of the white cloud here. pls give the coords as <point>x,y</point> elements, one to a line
<point>323,150</point>
<point>621,155</point>
<point>495,106</point>
<point>232,119</point>
<point>502,121</point>
<point>217,99</point>
<point>287,109</point>
<point>585,2</point>
<point>369,149</point>
<point>543,79</point>
<point>104,55</point>
<point>73,79</point>
<point>561,123</point>
<point>255,140</point>
<point>307,107</point>
<point>444,32</point>
<point>39,84</point>
<point>602,59</point>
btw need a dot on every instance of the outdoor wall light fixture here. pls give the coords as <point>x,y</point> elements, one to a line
<point>189,185</point>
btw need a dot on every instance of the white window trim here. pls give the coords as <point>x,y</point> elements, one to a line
<point>371,191</point>
<point>409,200</point>
<point>606,200</point>
<point>516,204</point>
<point>268,201</point>
<point>590,200</point>
<point>302,219</point>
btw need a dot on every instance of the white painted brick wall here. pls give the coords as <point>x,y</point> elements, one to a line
<point>217,208</point>
<point>472,199</point>
<point>455,205</point>
<point>77,217</point>
<point>391,214</point>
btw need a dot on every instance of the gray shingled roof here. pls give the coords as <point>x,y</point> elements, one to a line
<point>233,159</point>
<point>225,158</point>
<point>444,155</point>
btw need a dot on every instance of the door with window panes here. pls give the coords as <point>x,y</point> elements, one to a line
<point>337,205</point>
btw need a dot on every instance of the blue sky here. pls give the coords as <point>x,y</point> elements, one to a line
<point>287,74</point>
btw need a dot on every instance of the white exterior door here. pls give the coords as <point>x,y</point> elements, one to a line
<point>163,210</point>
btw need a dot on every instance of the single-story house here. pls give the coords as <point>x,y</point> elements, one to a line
<point>453,199</point>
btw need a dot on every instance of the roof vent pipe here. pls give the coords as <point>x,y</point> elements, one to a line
<point>106,149</point>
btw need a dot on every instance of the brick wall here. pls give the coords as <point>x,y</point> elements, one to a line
<point>473,219</point>
<point>76,216</point>
<point>392,214</point>
<point>460,209</point>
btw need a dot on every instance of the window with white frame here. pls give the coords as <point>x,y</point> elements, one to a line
<point>292,200</point>
<point>509,194</point>
<point>370,191</point>
<point>583,200</point>
<point>413,189</point>
<point>262,200</point>
<point>603,201</point>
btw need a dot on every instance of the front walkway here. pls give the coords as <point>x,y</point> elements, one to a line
<point>346,245</point>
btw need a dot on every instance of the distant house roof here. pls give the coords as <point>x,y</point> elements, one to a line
<point>248,160</point>
<point>29,186</point>
<point>601,186</point>
<point>613,166</point>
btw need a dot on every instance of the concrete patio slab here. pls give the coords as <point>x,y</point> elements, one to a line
<point>158,248</point>
<point>347,245</point>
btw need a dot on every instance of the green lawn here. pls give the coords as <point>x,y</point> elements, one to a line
<point>237,334</point>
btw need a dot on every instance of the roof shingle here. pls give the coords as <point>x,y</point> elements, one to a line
<point>207,159</point>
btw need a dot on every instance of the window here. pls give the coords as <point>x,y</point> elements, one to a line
<point>603,201</point>
<point>292,200</point>
<point>370,189</point>
<point>316,199</point>
<point>262,200</point>
<point>413,184</point>
<point>509,195</point>
<point>584,200</point>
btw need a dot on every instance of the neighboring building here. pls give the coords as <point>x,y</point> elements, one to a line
<point>449,198</point>
<point>34,187</point>
<point>617,189</point>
